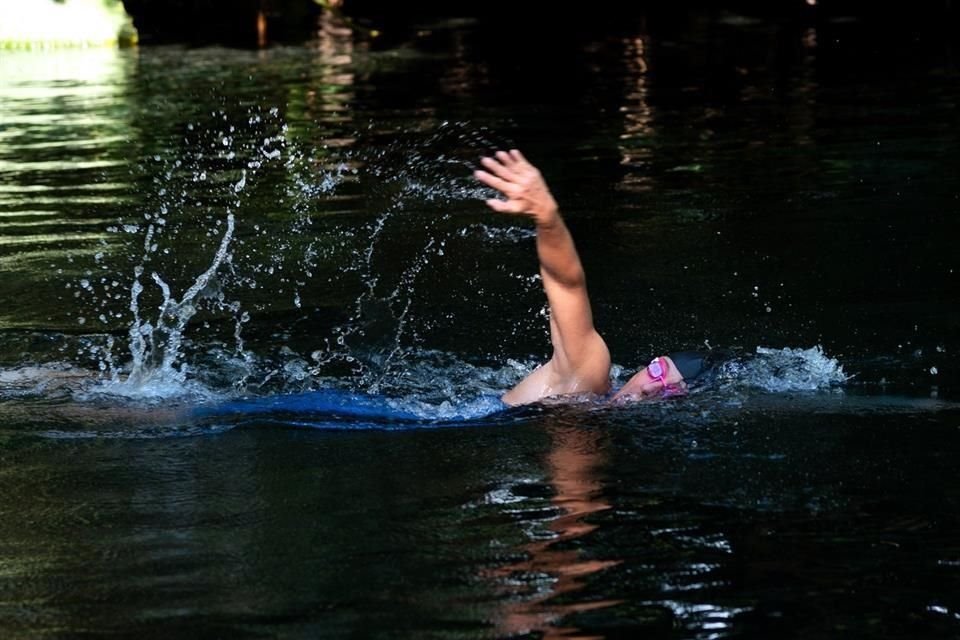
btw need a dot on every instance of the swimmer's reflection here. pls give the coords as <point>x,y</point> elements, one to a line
<point>572,465</point>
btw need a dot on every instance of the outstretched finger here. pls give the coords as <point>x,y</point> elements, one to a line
<point>491,180</point>
<point>505,158</point>
<point>497,168</point>
<point>517,157</point>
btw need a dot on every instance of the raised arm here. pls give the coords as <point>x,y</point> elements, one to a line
<point>580,361</point>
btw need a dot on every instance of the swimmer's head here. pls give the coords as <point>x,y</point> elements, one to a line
<point>667,376</point>
<point>662,377</point>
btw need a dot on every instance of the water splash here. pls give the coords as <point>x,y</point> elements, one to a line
<point>784,370</point>
<point>436,388</point>
<point>210,181</point>
<point>377,349</point>
<point>156,348</point>
<point>222,164</point>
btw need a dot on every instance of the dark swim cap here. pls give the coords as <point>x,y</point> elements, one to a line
<point>690,364</point>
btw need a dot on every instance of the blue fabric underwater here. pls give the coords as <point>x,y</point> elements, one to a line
<point>325,401</point>
<point>333,408</point>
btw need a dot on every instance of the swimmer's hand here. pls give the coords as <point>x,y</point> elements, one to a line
<point>521,184</point>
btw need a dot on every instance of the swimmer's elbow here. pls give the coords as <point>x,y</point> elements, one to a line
<point>591,363</point>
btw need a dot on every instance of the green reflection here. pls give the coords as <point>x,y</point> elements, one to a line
<point>44,23</point>
<point>64,172</point>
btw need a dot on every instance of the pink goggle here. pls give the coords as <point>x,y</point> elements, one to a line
<point>658,370</point>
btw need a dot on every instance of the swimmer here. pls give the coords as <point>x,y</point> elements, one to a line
<point>580,363</point>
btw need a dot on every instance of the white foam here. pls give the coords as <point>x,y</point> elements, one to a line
<point>785,370</point>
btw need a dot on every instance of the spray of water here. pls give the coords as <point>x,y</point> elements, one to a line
<point>784,370</point>
<point>210,181</point>
<point>377,348</point>
<point>155,348</point>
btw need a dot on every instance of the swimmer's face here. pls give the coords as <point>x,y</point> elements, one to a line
<point>656,379</point>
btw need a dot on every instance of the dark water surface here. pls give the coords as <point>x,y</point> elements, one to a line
<point>188,229</point>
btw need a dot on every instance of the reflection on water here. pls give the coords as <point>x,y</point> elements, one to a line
<point>637,138</point>
<point>331,92</point>
<point>554,568</point>
<point>63,129</point>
